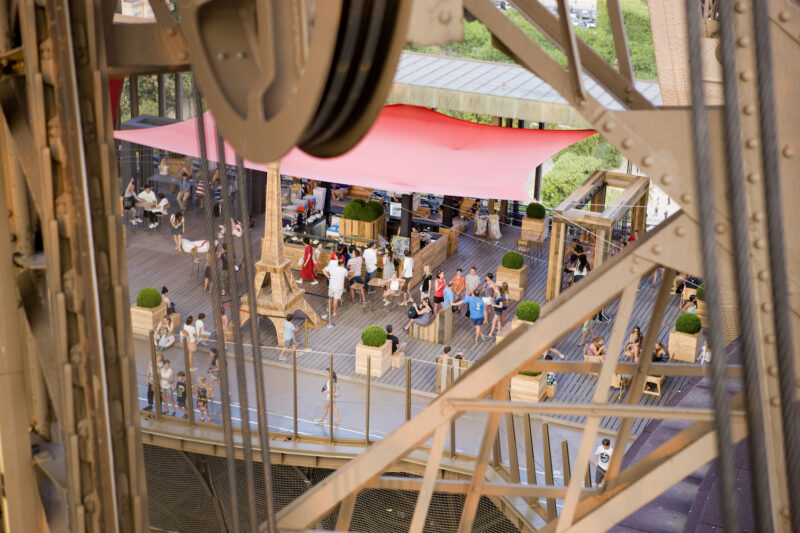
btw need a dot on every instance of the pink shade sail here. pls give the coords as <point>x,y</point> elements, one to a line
<point>408,149</point>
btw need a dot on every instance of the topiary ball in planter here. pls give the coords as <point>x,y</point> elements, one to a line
<point>373,336</point>
<point>701,293</point>
<point>528,311</point>
<point>513,260</point>
<point>688,323</point>
<point>373,209</point>
<point>352,210</point>
<point>149,298</point>
<point>535,210</point>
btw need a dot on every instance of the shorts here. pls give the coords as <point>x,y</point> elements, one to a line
<point>599,475</point>
<point>357,279</point>
<point>288,342</point>
<point>438,299</point>
<point>577,277</point>
<point>168,392</point>
<point>487,300</point>
<point>371,275</point>
<point>202,408</point>
<point>477,321</point>
<point>336,294</point>
<point>192,346</point>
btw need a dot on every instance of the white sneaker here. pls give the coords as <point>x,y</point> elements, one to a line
<point>314,282</point>
<point>299,281</point>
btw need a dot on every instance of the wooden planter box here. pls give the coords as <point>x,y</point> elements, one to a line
<point>443,371</point>
<point>517,280</point>
<point>365,230</point>
<point>452,243</point>
<point>508,328</point>
<point>684,347</point>
<point>533,226</point>
<point>144,319</point>
<point>702,312</point>
<point>529,388</point>
<point>381,358</point>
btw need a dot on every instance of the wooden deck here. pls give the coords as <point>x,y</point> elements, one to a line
<point>152,261</point>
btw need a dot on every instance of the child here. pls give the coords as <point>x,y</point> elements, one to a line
<point>200,327</point>
<point>288,336</point>
<point>203,392</point>
<point>180,393</point>
<point>166,379</point>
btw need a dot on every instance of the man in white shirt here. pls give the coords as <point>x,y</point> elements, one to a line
<point>200,327</point>
<point>336,274</point>
<point>371,261</point>
<point>148,197</point>
<point>408,273</point>
<point>166,377</point>
<point>602,458</point>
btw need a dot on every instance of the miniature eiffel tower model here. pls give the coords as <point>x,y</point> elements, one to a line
<point>284,296</point>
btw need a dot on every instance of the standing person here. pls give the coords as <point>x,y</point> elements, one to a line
<point>371,261</point>
<point>223,258</point>
<point>602,458</point>
<point>203,392</point>
<point>471,280</point>
<point>439,285</point>
<point>336,274</point>
<point>213,367</point>
<point>582,268</point>
<point>166,378</point>
<point>200,191</point>
<point>129,202</point>
<point>180,393</point>
<point>307,272</point>
<point>587,328</point>
<point>288,336</point>
<point>634,237</point>
<point>705,354</point>
<point>408,273</point>
<point>477,313</point>
<point>150,375</point>
<point>316,257</point>
<point>449,297</point>
<point>459,285</point>
<point>487,290</point>
<point>185,186</point>
<point>499,305</point>
<point>200,326</point>
<point>397,346</point>
<point>425,286</point>
<point>388,263</point>
<point>207,277</point>
<point>176,221</point>
<point>148,197</point>
<point>355,266</point>
<point>331,391</point>
<point>190,334</point>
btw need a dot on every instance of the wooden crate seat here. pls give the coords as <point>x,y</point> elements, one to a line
<point>439,331</point>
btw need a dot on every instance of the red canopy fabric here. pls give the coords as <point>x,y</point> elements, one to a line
<point>408,149</point>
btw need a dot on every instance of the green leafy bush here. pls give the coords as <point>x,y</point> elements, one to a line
<point>373,336</point>
<point>513,260</point>
<point>701,293</point>
<point>535,210</point>
<point>353,210</point>
<point>149,298</point>
<point>530,373</point>
<point>688,323</point>
<point>373,209</point>
<point>528,311</point>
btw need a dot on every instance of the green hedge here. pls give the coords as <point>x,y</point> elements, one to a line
<point>148,297</point>
<point>535,210</point>
<point>373,336</point>
<point>513,260</point>
<point>359,210</point>
<point>701,293</point>
<point>688,323</point>
<point>528,311</point>
<point>530,373</point>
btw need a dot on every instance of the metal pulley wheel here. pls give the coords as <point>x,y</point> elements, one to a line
<point>285,72</point>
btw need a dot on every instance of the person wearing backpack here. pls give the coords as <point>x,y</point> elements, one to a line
<point>331,391</point>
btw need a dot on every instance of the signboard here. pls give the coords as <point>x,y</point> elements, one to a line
<point>395,209</point>
<point>400,245</point>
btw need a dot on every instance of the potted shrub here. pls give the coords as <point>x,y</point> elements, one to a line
<point>376,346</point>
<point>529,386</point>
<point>146,315</point>
<point>526,312</point>
<point>363,219</point>
<point>701,305</point>
<point>513,271</point>
<point>684,340</point>
<point>533,221</point>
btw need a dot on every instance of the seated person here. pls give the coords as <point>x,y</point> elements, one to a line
<point>634,343</point>
<point>392,289</point>
<point>422,314</point>
<point>162,206</point>
<point>691,305</point>
<point>660,354</point>
<point>165,336</point>
<point>397,346</point>
<point>596,348</point>
<point>339,191</point>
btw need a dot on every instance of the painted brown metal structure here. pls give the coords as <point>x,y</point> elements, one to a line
<point>62,246</point>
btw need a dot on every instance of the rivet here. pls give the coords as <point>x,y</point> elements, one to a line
<point>240,55</point>
<point>666,179</point>
<point>774,401</point>
<point>720,229</point>
<point>769,338</point>
<point>743,42</point>
<point>636,260</point>
<point>785,512</point>
<point>629,89</point>
<point>629,98</point>
<point>609,126</point>
<point>222,56</point>
<point>90,504</point>
<point>647,161</point>
<point>763,275</point>
<point>783,16</point>
<point>772,370</point>
<point>751,143</point>
<point>633,270</point>
<point>686,198</point>
<point>749,109</point>
<point>746,75</point>
<point>740,7</point>
<point>657,249</point>
<point>170,31</point>
<point>760,243</point>
<point>680,231</point>
<point>766,307</point>
<point>627,143</point>
<point>183,56</point>
<point>788,151</point>
<point>444,16</point>
<point>754,177</point>
<point>758,216</point>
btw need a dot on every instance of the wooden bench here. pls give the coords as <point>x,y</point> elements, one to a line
<point>439,331</point>
<point>361,193</point>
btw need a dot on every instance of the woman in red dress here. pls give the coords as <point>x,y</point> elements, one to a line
<point>307,272</point>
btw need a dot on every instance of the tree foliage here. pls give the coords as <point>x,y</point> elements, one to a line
<point>567,175</point>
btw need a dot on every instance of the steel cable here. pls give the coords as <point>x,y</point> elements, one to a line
<point>229,276</point>
<point>215,298</point>
<point>744,288</point>
<point>781,312</point>
<point>705,198</point>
